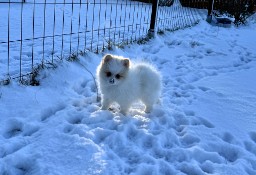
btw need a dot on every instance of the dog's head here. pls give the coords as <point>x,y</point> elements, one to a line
<point>114,69</point>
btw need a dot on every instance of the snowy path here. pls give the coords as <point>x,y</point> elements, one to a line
<point>205,123</point>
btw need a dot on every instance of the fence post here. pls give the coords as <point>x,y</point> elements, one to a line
<point>210,8</point>
<point>153,19</point>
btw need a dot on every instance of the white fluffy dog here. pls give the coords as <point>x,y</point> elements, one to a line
<point>124,83</point>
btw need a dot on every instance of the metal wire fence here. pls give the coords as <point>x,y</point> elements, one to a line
<point>177,16</point>
<point>37,32</point>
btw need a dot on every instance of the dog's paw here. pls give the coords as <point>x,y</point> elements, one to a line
<point>103,108</point>
<point>148,109</point>
<point>124,112</point>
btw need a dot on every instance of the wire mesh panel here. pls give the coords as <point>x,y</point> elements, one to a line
<point>175,16</point>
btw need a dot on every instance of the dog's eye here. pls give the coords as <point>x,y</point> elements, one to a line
<point>108,74</point>
<point>118,76</point>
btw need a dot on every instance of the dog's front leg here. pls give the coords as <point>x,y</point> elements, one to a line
<point>105,103</point>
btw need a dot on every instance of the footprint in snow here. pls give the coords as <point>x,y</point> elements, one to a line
<point>245,59</point>
<point>152,49</point>
<point>75,119</point>
<point>51,111</point>
<point>189,140</point>
<point>190,169</point>
<point>250,146</point>
<point>228,152</point>
<point>15,128</point>
<point>189,113</point>
<point>180,119</point>
<point>86,88</point>
<point>194,44</point>
<point>173,43</point>
<point>201,121</point>
<point>204,89</point>
<point>23,165</point>
<point>148,142</point>
<point>253,136</point>
<point>68,129</point>
<point>80,87</point>
<point>170,140</point>
<point>194,56</point>
<point>180,130</point>
<point>13,146</point>
<point>228,137</point>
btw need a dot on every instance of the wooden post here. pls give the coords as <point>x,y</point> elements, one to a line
<point>153,18</point>
<point>210,8</point>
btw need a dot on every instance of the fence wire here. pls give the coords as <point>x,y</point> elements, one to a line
<point>177,17</point>
<point>37,32</point>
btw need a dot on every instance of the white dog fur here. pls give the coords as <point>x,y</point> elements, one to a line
<point>124,83</point>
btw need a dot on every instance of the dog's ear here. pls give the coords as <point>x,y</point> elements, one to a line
<point>126,62</point>
<point>107,58</point>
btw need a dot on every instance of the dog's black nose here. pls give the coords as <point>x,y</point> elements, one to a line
<point>112,81</point>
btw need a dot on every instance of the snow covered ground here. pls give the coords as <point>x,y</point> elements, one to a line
<point>205,123</point>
